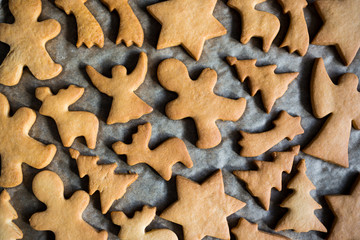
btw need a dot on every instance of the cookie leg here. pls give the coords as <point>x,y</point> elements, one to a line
<point>11,174</point>
<point>208,133</point>
<point>11,69</point>
<point>38,155</point>
<point>43,67</point>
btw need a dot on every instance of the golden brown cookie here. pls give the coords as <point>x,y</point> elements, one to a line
<point>27,38</point>
<point>70,124</point>
<point>188,23</point>
<point>8,229</point>
<point>300,215</point>
<point>63,216</point>
<point>126,105</point>
<point>134,228</point>
<point>264,79</point>
<point>346,210</point>
<point>268,175</point>
<point>286,126</point>
<point>17,147</point>
<point>201,209</point>
<point>341,26</point>
<point>256,23</point>
<point>297,37</point>
<point>89,30</point>
<point>161,159</point>
<point>198,101</point>
<point>103,179</point>
<point>130,30</point>
<point>249,231</point>
<point>342,102</point>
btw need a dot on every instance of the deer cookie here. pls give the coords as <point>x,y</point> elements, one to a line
<point>342,102</point>
<point>8,229</point>
<point>130,30</point>
<point>264,79</point>
<point>255,144</point>
<point>126,105</point>
<point>27,38</point>
<point>17,147</point>
<point>256,23</point>
<point>161,158</point>
<point>71,124</point>
<point>89,30</point>
<point>103,179</point>
<point>197,100</point>
<point>63,216</point>
<point>134,228</point>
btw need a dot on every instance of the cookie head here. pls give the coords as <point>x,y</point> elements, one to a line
<point>25,9</point>
<point>47,186</point>
<point>172,74</point>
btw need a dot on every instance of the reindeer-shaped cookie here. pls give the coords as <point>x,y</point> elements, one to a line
<point>161,158</point>
<point>198,101</point>
<point>126,105</point>
<point>134,228</point>
<point>17,147</point>
<point>63,216</point>
<point>27,38</point>
<point>256,23</point>
<point>71,124</point>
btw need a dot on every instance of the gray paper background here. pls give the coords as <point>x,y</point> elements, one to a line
<point>150,188</point>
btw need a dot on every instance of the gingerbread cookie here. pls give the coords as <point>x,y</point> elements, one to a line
<point>71,124</point>
<point>103,179</point>
<point>297,37</point>
<point>63,216</point>
<point>134,228</point>
<point>27,38</point>
<point>342,101</point>
<point>198,101</point>
<point>130,30</point>
<point>89,30</point>
<point>300,215</point>
<point>341,27</point>
<point>346,210</point>
<point>264,79</point>
<point>8,229</point>
<point>255,144</point>
<point>17,147</point>
<point>256,23</point>
<point>161,159</point>
<point>268,175</point>
<point>126,105</point>
<point>188,23</point>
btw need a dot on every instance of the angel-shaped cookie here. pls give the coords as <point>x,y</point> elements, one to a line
<point>342,102</point>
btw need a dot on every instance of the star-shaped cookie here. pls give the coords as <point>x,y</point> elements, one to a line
<point>202,209</point>
<point>186,22</point>
<point>346,210</point>
<point>341,26</point>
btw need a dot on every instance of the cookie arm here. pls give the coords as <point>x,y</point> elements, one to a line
<point>137,76</point>
<point>80,200</point>
<point>48,29</point>
<point>5,32</point>
<point>103,84</point>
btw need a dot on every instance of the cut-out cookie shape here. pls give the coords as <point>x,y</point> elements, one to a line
<point>71,124</point>
<point>264,79</point>
<point>256,23</point>
<point>249,231</point>
<point>8,229</point>
<point>342,102</point>
<point>198,101</point>
<point>188,23</point>
<point>134,228</point>
<point>341,27</point>
<point>346,209</point>
<point>17,147</point>
<point>161,159</point>
<point>297,37</point>
<point>27,38</point>
<point>255,144</point>
<point>89,30</point>
<point>300,215</point>
<point>63,216</point>
<point>206,205</point>
<point>103,179</point>
<point>268,175</point>
<point>130,30</point>
<point>126,105</point>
